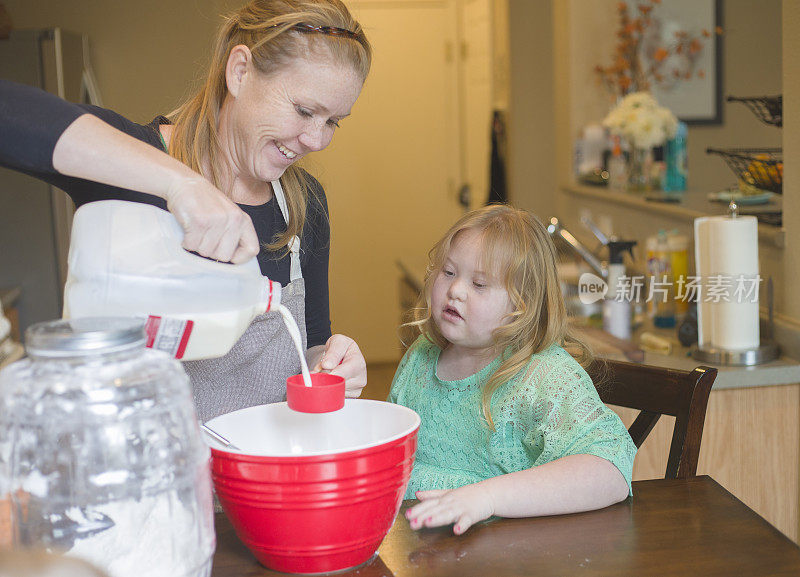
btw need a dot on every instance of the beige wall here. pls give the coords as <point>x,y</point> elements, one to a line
<point>501,65</point>
<point>531,164</point>
<point>146,54</point>
<point>791,144</point>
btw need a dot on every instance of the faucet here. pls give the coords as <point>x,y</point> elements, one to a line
<point>556,230</point>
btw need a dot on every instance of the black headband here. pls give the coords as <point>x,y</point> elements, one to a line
<point>329,30</point>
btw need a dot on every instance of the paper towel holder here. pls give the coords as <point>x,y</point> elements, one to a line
<point>767,351</point>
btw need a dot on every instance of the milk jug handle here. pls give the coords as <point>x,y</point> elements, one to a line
<point>272,294</point>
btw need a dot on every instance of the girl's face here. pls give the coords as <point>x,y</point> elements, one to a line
<point>277,119</point>
<point>468,303</point>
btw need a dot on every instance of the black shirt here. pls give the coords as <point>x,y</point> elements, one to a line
<point>32,121</point>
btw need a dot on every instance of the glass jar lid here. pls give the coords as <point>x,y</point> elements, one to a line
<point>84,336</point>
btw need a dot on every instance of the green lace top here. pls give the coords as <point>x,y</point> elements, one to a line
<point>548,411</point>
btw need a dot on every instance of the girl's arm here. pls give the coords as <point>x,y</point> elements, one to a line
<point>567,485</point>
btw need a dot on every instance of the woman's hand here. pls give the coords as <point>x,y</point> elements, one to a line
<point>343,357</point>
<point>213,225</point>
<point>464,507</point>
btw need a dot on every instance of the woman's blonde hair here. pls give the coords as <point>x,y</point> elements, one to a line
<point>266,27</point>
<point>515,247</point>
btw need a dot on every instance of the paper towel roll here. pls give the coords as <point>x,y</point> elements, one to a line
<point>726,259</point>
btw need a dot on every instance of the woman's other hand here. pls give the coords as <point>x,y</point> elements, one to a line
<point>343,357</point>
<point>463,507</point>
<point>213,225</point>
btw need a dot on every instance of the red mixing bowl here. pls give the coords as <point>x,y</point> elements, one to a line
<point>312,493</point>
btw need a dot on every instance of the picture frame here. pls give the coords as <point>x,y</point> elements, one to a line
<point>696,100</point>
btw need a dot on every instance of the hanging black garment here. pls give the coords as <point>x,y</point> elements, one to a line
<point>498,191</point>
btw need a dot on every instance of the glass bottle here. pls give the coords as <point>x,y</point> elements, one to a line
<point>661,293</point>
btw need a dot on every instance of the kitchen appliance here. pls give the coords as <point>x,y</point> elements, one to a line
<point>35,218</point>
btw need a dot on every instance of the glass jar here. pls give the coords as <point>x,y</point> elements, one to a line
<point>101,455</point>
<point>638,170</point>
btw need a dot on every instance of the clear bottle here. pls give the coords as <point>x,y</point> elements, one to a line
<point>101,456</point>
<point>618,306</point>
<point>679,264</point>
<point>661,292</point>
<point>126,259</point>
<point>617,168</point>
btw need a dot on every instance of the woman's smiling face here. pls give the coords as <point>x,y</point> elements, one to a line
<point>271,121</point>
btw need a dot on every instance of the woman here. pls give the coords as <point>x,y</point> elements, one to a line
<point>283,74</point>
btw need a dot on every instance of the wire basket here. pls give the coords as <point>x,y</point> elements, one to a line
<point>769,109</point>
<point>759,167</point>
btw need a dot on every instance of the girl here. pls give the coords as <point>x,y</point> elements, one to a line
<point>511,423</point>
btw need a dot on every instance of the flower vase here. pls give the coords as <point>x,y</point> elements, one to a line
<point>638,177</point>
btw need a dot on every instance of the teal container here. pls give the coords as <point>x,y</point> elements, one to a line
<point>676,160</point>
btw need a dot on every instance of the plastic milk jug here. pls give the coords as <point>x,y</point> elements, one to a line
<point>126,259</point>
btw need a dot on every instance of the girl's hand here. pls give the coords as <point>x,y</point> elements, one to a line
<point>464,507</point>
<point>343,357</point>
<point>213,225</point>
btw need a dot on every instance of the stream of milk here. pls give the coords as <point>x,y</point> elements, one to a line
<point>294,331</point>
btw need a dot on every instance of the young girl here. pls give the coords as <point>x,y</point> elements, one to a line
<point>511,423</point>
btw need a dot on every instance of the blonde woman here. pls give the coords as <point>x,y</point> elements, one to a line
<point>511,423</point>
<point>283,75</point>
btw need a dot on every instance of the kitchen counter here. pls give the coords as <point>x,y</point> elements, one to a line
<point>782,371</point>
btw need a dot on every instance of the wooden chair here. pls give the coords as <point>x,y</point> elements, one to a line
<point>656,391</point>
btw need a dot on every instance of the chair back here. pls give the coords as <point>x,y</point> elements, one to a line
<point>657,391</point>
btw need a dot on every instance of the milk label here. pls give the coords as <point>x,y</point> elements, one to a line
<point>168,334</point>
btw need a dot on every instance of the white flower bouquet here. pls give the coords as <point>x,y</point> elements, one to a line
<point>641,121</point>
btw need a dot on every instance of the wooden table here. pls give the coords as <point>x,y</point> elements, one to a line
<point>669,527</point>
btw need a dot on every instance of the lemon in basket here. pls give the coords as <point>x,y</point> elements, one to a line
<point>766,173</point>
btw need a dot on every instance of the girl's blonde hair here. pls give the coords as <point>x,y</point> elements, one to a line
<point>266,28</point>
<point>516,247</point>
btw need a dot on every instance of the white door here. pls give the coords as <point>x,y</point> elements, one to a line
<point>393,170</point>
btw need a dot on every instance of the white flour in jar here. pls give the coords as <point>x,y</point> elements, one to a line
<point>156,537</point>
